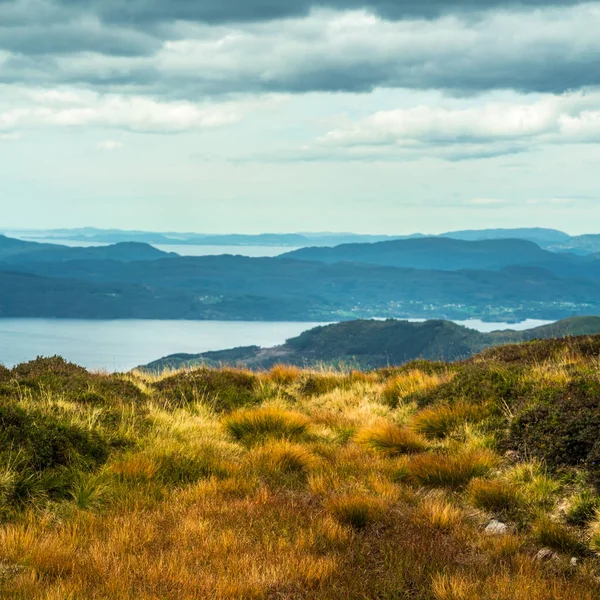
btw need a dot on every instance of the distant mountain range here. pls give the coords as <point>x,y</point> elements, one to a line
<point>374,344</point>
<point>550,239</point>
<point>499,280</point>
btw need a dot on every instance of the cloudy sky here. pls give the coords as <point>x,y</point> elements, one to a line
<point>376,116</point>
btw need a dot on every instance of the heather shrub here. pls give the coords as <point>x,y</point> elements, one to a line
<point>223,389</point>
<point>563,432</point>
<point>45,442</point>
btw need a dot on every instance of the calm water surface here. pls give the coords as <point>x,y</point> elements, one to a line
<point>123,344</point>
<point>184,249</point>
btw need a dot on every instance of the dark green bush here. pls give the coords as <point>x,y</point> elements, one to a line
<point>45,443</point>
<point>56,375</point>
<point>536,352</point>
<point>489,382</point>
<point>563,428</point>
<point>224,389</point>
<point>4,374</point>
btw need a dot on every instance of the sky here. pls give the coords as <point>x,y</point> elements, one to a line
<point>250,116</point>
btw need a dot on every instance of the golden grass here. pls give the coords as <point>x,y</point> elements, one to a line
<point>330,497</point>
<point>440,421</point>
<point>494,496</point>
<point>356,510</point>
<point>391,439</point>
<point>261,423</point>
<point>399,387</point>
<point>453,470</point>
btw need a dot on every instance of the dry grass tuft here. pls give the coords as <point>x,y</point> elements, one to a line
<point>439,514</point>
<point>440,421</point>
<point>356,510</point>
<point>281,457</point>
<point>391,439</point>
<point>555,535</point>
<point>405,384</point>
<point>258,424</point>
<point>494,496</point>
<point>452,470</point>
<point>284,374</point>
<point>452,587</point>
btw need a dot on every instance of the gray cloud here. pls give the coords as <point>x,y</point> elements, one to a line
<point>227,11</point>
<point>161,49</point>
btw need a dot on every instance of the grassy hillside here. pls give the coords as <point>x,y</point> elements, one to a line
<point>375,344</point>
<point>426,482</point>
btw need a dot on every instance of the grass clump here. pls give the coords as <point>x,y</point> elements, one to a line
<point>284,374</point>
<point>582,508</point>
<point>452,470</point>
<point>556,536</point>
<point>356,510</point>
<point>440,421</point>
<point>391,439</point>
<point>439,514</point>
<point>594,533</point>
<point>410,382</point>
<point>258,424</point>
<point>494,496</point>
<point>281,457</point>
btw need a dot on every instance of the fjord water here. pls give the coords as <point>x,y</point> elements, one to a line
<point>123,344</point>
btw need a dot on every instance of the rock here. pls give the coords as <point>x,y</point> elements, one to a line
<point>573,562</point>
<point>545,554</point>
<point>495,527</point>
<point>10,570</point>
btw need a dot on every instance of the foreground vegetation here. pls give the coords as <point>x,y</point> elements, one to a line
<point>429,481</point>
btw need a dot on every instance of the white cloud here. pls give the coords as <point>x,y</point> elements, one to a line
<point>71,108</point>
<point>10,137</point>
<point>476,129</point>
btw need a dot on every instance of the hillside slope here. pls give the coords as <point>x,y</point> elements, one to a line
<point>375,344</point>
<point>432,481</point>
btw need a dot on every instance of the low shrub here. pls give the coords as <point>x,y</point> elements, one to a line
<point>494,496</point>
<point>391,439</point>
<point>257,424</point>
<point>56,375</point>
<point>439,421</point>
<point>223,389</point>
<point>486,383</point>
<point>5,374</point>
<point>453,470</point>
<point>356,510</point>
<point>45,442</point>
<point>564,431</point>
